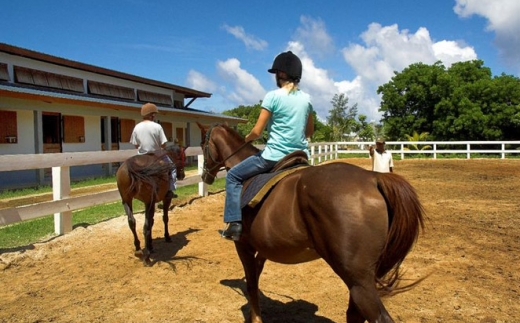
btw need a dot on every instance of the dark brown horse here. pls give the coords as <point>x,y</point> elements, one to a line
<point>146,178</point>
<point>362,223</point>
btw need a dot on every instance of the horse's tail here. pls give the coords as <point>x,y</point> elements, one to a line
<point>406,219</point>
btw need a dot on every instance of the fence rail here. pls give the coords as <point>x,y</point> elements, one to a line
<point>63,205</point>
<point>467,148</point>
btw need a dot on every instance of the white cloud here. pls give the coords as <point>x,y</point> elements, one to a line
<point>384,49</point>
<point>200,82</point>
<point>313,34</point>
<point>246,89</point>
<point>450,52</point>
<point>315,81</point>
<point>502,19</point>
<point>249,40</point>
<point>387,49</point>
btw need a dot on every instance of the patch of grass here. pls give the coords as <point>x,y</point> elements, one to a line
<point>28,232</point>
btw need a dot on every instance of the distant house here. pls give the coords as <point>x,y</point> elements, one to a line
<point>50,104</point>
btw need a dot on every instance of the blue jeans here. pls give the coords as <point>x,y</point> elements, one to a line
<point>173,179</point>
<point>235,178</point>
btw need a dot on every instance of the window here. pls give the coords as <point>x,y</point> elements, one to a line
<point>73,129</point>
<point>178,104</point>
<point>168,130</point>
<point>4,74</point>
<point>126,126</point>
<point>179,133</point>
<point>145,96</point>
<point>8,127</point>
<point>40,78</point>
<point>110,90</point>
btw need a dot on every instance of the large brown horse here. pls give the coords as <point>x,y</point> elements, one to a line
<point>146,178</point>
<point>362,223</point>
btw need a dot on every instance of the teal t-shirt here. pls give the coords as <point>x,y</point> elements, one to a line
<point>286,127</point>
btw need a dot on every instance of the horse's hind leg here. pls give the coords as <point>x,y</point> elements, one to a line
<point>166,206</point>
<point>147,232</point>
<point>131,223</point>
<point>364,302</point>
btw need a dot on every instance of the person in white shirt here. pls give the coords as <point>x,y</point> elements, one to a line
<point>381,159</point>
<point>148,137</point>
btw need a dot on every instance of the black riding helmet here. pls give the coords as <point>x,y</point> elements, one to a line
<point>290,64</point>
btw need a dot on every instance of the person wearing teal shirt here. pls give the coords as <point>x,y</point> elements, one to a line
<point>287,114</point>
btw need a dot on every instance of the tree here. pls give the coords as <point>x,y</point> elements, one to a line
<point>322,132</point>
<point>249,112</point>
<point>463,102</point>
<point>366,131</point>
<point>342,119</point>
<point>418,137</point>
<point>409,99</point>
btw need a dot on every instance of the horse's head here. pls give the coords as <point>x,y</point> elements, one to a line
<point>177,155</point>
<point>223,147</point>
<point>211,155</point>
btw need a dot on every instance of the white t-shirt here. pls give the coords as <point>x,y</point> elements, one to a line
<point>382,162</point>
<point>149,136</point>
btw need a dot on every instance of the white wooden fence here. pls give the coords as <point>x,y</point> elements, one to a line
<point>437,147</point>
<point>63,205</point>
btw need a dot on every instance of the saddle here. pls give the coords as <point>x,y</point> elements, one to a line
<point>257,187</point>
<point>151,162</point>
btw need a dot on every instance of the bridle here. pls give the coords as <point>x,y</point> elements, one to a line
<point>207,152</point>
<point>180,156</point>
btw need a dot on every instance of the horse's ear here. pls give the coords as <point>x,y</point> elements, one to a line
<point>201,126</point>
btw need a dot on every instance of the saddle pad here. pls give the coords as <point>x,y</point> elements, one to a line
<point>261,184</point>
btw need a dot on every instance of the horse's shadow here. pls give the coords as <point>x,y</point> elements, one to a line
<point>273,311</point>
<point>166,251</point>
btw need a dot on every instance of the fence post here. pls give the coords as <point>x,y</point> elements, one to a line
<point>203,188</point>
<point>503,151</point>
<point>326,151</point>
<point>61,190</point>
<point>312,154</point>
<point>402,151</point>
<point>468,149</point>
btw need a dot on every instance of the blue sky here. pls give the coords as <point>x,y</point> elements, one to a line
<point>226,47</point>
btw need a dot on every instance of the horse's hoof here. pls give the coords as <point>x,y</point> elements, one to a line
<point>138,254</point>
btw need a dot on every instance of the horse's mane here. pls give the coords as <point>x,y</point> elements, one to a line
<point>232,131</point>
<point>236,136</point>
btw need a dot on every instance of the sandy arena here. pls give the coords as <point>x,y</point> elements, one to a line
<point>471,248</point>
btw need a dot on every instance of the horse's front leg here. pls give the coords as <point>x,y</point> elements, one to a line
<point>166,206</point>
<point>147,232</point>
<point>252,269</point>
<point>131,223</point>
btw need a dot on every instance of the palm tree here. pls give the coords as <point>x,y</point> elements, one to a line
<point>418,137</point>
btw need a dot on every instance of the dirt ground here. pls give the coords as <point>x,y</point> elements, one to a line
<point>471,248</point>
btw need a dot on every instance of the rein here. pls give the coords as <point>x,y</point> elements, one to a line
<point>219,165</point>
